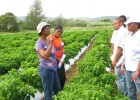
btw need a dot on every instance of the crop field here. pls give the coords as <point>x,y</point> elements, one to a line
<point>19,67</point>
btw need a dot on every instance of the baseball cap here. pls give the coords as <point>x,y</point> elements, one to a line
<point>41,25</point>
<point>133,19</point>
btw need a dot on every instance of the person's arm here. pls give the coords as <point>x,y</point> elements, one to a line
<point>112,48</point>
<point>118,54</point>
<point>112,42</point>
<point>58,59</point>
<point>45,54</point>
<point>137,72</point>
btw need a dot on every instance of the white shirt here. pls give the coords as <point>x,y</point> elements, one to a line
<point>117,39</point>
<point>131,51</point>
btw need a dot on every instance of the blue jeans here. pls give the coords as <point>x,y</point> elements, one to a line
<point>121,80</point>
<point>50,82</point>
<point>132,86</point>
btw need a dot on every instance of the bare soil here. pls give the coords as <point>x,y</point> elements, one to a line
<point>138,96</point>
<point>72,70</point>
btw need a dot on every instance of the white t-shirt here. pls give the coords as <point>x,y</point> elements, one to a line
<point>117,39</point>
<point>131,51</point>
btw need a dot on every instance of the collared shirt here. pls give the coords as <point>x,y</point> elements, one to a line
<point>131,51</point>
<point>117,39</point>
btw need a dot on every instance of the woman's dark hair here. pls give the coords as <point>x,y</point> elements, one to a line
<point>59,27</point>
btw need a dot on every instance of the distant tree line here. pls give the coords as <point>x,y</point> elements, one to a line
<point>105,20</point>
<point>9,22</point>
<point>68,22</point>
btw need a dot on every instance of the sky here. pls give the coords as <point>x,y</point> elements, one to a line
<point>74,8</point>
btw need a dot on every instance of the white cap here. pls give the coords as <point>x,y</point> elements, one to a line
<point>133,19</point>
<point>41,25</point>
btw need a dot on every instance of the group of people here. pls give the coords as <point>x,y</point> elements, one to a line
<point>50,50</point>
<point>125,46</point>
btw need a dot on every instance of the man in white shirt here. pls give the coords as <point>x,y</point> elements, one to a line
<point>119,34</point>
<point>131,55</point>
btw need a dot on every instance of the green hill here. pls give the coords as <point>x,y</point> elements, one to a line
<point>88,19</point>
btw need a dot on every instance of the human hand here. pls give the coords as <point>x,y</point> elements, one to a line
<point>122,69</point>
<point>51,39</point>
<point>114,62</point>
<point>135,76</point>
<point>60,60</point>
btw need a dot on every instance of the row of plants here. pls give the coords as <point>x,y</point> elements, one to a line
<point>92,81</point>
<point>19,62</point>
<point>74,41</point>
<point>18,51</point>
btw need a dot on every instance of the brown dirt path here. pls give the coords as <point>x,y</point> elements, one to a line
<point>72,70</point>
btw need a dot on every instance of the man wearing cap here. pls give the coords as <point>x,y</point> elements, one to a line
<point>48,61</point>
<point>131,56</point>
<point>118,36</point>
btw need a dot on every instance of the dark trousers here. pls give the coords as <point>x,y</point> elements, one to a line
<point>61,76</point>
